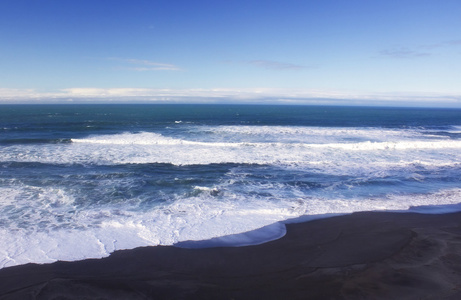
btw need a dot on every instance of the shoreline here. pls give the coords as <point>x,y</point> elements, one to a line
<point>363,255</point>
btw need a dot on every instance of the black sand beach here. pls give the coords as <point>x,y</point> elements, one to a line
<point>371,255</point>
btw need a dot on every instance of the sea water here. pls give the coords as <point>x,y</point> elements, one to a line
<point>81,181</point>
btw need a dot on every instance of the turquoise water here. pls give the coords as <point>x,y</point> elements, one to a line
<point>79,181</point>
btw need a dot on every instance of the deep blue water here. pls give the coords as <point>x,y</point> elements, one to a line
<point>81,181</point>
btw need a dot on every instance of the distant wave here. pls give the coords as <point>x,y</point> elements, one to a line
<point>266,147</point>
<point>157,139</point>
<point>454,129</point>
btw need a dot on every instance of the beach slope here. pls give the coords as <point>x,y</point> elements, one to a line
<point>368,255</point>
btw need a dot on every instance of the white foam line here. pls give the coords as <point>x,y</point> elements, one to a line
<point>392,145</point>
<point>362,146</point>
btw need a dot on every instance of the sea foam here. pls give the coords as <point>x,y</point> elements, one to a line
<point>191,223</point>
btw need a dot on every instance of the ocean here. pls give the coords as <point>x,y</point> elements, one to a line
<point>81,181</point>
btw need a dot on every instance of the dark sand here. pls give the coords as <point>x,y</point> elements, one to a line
<point>360,256</point>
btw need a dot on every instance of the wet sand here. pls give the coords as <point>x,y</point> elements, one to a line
<point>371,255</point>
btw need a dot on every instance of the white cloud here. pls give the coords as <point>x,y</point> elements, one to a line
<point>144,65</point>
<point>16,93</point>
<point>450,43</point>
<point>418,51</point>
<point>103,93</point>
<point>403,53</point>
<point>228,95</point>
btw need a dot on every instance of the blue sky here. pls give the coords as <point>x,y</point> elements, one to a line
<point>405,52</point>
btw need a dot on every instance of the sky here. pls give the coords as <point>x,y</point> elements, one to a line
<point>341,52</point>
